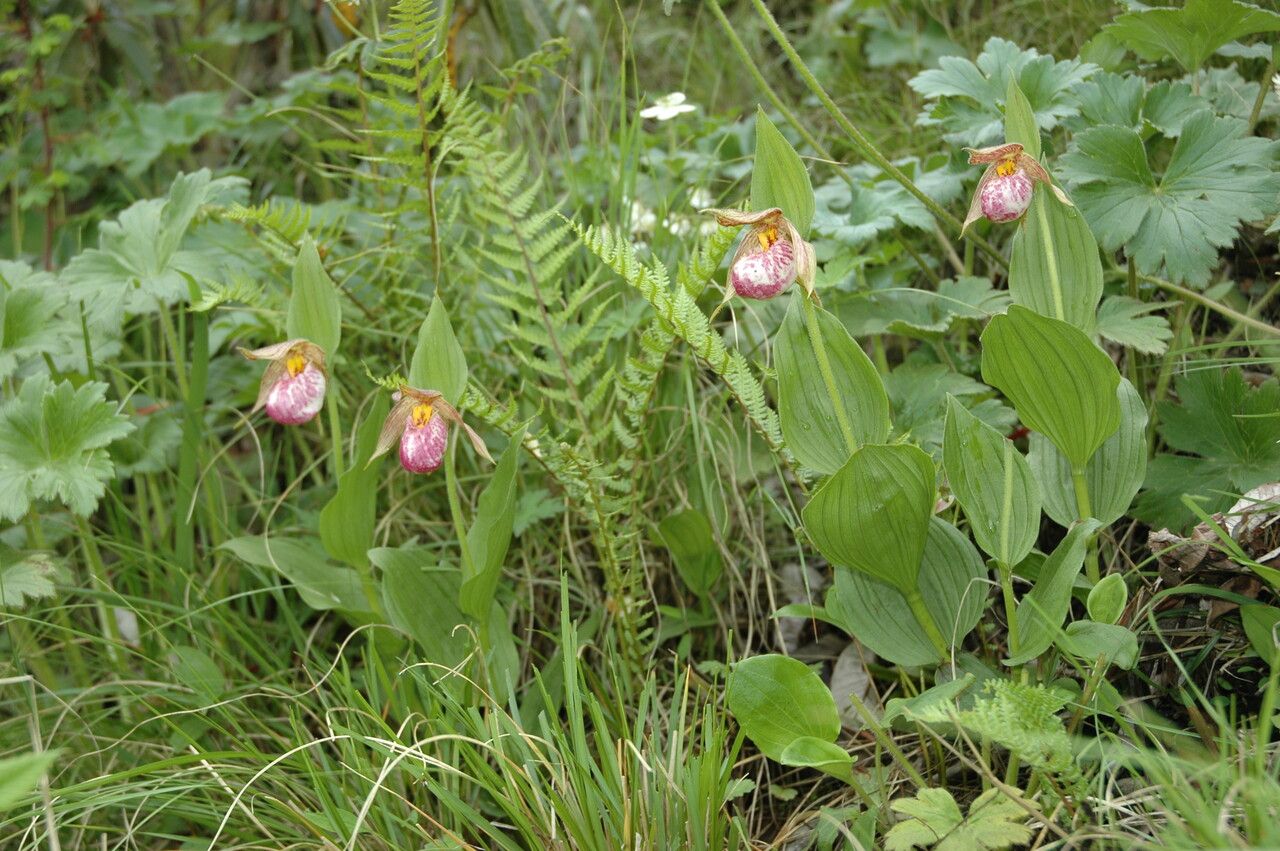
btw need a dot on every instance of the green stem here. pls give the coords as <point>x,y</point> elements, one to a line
<point>828,376</point>
<point>335,433</point>
<point>1010,605</point>
<point>460,527</point>
<point>192,438</point>
<point>1085,509</point>
<point>106,618</point>
<point>930,626</point>
<point>1217,307</point>
<point>859,140</point>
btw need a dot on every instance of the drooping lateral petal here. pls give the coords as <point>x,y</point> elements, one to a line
<point>451,415</point>
<point>272,352</point>
<point>393,425</point>
<point>975,205</point>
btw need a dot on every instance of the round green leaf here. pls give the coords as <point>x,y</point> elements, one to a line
<point>1107,599</point>
<point>778,700</point>
<point>1062,385</point>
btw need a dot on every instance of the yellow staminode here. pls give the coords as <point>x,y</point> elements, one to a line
<point>1006,167</point>
<point>422,414</point>
<point>296,364</point>
<point>767,238</point>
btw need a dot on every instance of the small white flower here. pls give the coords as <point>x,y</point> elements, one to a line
<point>643,219</point>
<point>700,199</point>
<point>678,226</point>
<point>667,107</point>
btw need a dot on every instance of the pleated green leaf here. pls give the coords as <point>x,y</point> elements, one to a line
<point>805,408</point>
<point>951,583</point>
<point>438,362</point>
<point>1054,267</point>
<point>1087,640</point>
<point>873,514</point>
<point>779,178</point>
<point>1042,610</point>
<point>1062,385</point>
<point>315,312</point>
<point>1113,475</point>
<point>993,484</point>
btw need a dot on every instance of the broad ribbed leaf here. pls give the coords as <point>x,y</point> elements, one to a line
<point>438,362</point>
<point>779,178</point>
<point>952,583</point>
<point>321,584</point>
<point>1113,475</point>
<point>687,535</point>
<point>347,520</point>
<point>993,483</point>
<point>1042,610</point>
<point>1062,385</point>
<point>1054,268</point>
<point>873,514</point>
<point>315,313</point>
<point>1020,120</point>
<point>805,408</point>
<point>421,600</point>
<point>490,535</point>
<point>1088,640</point>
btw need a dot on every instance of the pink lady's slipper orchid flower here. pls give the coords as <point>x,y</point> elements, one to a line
<point>293,383</point>
<point>770,257</point>
<point>1004,192</point>
<point>420,421</point>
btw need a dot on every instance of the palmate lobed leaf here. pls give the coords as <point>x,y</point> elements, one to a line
<point>53,441</point>
<point>1191,34</point>
<point>968,95</point>
<point>138,259</point>
<point>1230,439</point>
<point>933,819</point>
<point>1216,179</point>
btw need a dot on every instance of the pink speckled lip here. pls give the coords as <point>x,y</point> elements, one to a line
<point>1006,198</point>
<point>422,447</point>
<point>764,274</point>
<point>296,399</point>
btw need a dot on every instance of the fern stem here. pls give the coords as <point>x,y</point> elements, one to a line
<point>859,140</point>
<point>828,376</point>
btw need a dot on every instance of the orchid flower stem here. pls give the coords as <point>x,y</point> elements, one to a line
<point>925,618</point>
<point>455,504</point>
<point>860,141</point>
<point>828,376</point>
<point>192,437</point>
<point>1010,605</point>
<point>335,429</point>
<point>1085,510</point>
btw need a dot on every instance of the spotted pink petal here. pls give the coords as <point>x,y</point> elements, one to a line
<point>296,399</point>
<point>422,447</point>
<point>764,274</point>
<point>1005,198</point>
